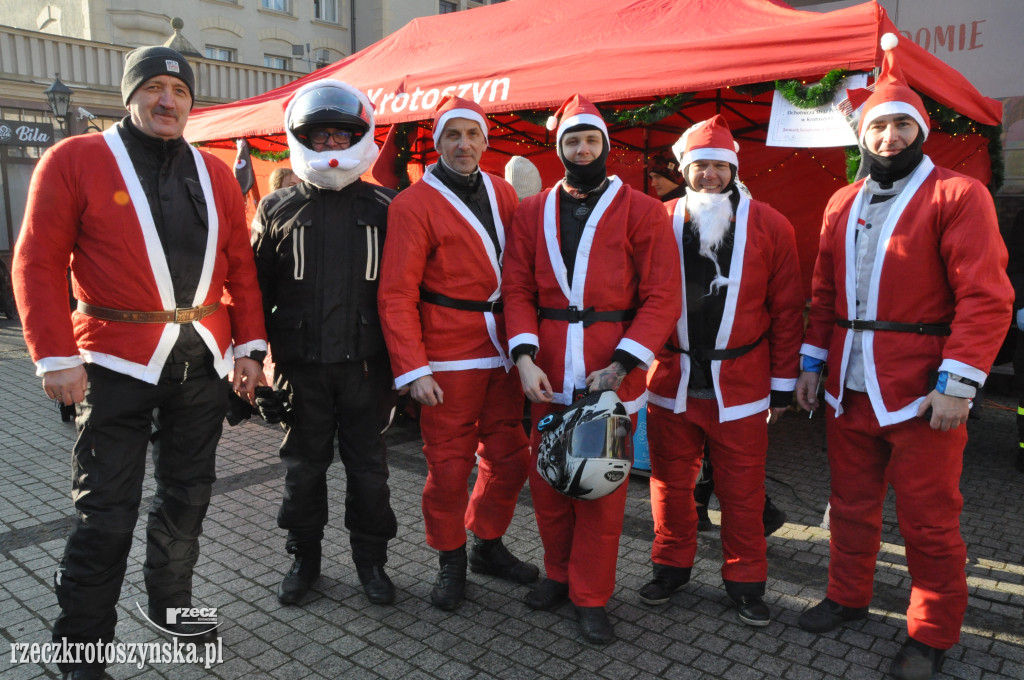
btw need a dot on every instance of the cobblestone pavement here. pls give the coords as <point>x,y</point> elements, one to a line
<point>337,634</point>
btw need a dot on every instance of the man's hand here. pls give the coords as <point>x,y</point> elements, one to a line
<point>535,381</point>
<point>608,378</point>
<point>807,390</point>
<point>66,386</point>
<point>247,376</point>
<point>774,413</point>
<point>426,391</point>
<point>948,413</point>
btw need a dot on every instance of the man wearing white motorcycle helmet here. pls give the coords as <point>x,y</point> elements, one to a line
<point>318,247</point>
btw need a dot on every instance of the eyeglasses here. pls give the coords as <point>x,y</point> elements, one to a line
<point>321,136</point>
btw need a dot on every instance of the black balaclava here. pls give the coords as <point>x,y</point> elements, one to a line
<point>888,169</point>
<point>586,178</point>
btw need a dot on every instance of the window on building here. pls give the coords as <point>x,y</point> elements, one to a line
<point>220,53</point>
<point>447,7</point>
<point>326,10</point>
<point>271,61</point>
<point>322,57</point>
<point>277,5</point>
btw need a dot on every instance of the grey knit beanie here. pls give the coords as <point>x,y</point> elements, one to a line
<point>143,63</point>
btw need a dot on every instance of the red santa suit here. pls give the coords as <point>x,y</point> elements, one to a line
<point>763,307</point>
<point>435,244</point>
<point>625,261</point>
<point>88,201</point>
<point>940,260</point>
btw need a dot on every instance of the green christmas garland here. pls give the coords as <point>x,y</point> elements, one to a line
<point>273,156</point>
<point>819,94</point>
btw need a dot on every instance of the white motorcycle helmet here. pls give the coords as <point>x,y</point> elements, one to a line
<point>586,451</point>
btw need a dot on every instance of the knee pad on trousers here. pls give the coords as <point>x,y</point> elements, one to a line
<point>183,521</point>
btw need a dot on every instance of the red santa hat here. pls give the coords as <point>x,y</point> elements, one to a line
<point>457,107</point>
<point>708,140</point>
<point>892,94</point>
<point>576,110</point>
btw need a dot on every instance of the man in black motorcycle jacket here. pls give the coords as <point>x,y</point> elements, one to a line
<point>317,247</point>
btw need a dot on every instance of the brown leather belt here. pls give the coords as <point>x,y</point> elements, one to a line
<point>180,315</point>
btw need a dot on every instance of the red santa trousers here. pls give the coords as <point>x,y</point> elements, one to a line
<point>580,537</point>
<point>737,451</point>
<point>481,406</point>
<point>923,466</point>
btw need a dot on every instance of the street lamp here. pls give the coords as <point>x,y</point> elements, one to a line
<point>58,95</point>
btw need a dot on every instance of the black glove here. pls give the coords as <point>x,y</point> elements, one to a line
<point>273,405</point>
<point>239,409</point>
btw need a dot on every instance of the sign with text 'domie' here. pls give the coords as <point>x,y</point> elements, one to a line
<point>18,133</point>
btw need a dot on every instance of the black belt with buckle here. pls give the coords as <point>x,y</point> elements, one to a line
<point>585,316</point>
<point>495,306</point>
<point>897,326</point>
<point>711,354</point>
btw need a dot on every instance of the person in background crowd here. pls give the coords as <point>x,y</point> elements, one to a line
<point>727,373</point>
<point>318,251</point>
<point>594,258</point>
<point>910,304</point>
<point>167,305</point>
<point>523,175</point>
<point>282,178</point>
<point>448,236</point>
<point>666,178</point>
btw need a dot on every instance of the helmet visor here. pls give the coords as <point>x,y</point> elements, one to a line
<point>603,438</point>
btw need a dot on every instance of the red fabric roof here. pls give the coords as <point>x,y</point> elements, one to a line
<point>534,53</point>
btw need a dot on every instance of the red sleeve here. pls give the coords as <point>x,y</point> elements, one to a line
<point>784,299</point>
<point>406,249</point>
<point>656,259</point>
<point>41,256</point>
<point>518,279</point>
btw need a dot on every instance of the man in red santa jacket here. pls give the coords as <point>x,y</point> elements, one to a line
<point>441,311</point>
<point>910,305</point>
<point>164,276</point>
<point>728,371</point>
<point>596,259</point>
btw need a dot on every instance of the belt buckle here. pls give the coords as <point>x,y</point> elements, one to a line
<point>574,315</point>
<point>187,314</point>
<point>494,306</point>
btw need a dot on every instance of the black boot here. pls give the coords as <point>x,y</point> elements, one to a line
<point>378,587</point>
<point>595,626</point>
<point>703,520</point>
<point>666,581</point>
<point>916,661</point>
<point>87,673</point>
<point>450,587</point>
<point>301,577</point>
<point>492,557</point>
<point>547,595</point>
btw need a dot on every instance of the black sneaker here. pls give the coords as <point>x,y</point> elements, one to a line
<point>378,587</point>
<point>753,611</point>
<point>773,517</point>
<point>828,615</point>
<point>300,578</point>
<point>493,558</point>
<point>666,581</point>
<point>916,661</point>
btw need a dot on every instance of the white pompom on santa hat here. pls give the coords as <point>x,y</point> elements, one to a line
<point>576,110</point>
<point>456,107</point>
<point>892,94</point>
<point>708,140</point>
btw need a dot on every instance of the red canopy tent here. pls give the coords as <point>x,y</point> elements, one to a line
<point>521,59</point>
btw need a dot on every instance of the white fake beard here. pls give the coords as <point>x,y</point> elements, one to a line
<point>332,170</point>
<point>711,215</point>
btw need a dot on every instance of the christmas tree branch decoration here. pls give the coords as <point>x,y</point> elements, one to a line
<point>273,156</point>
<point>819,94</point>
